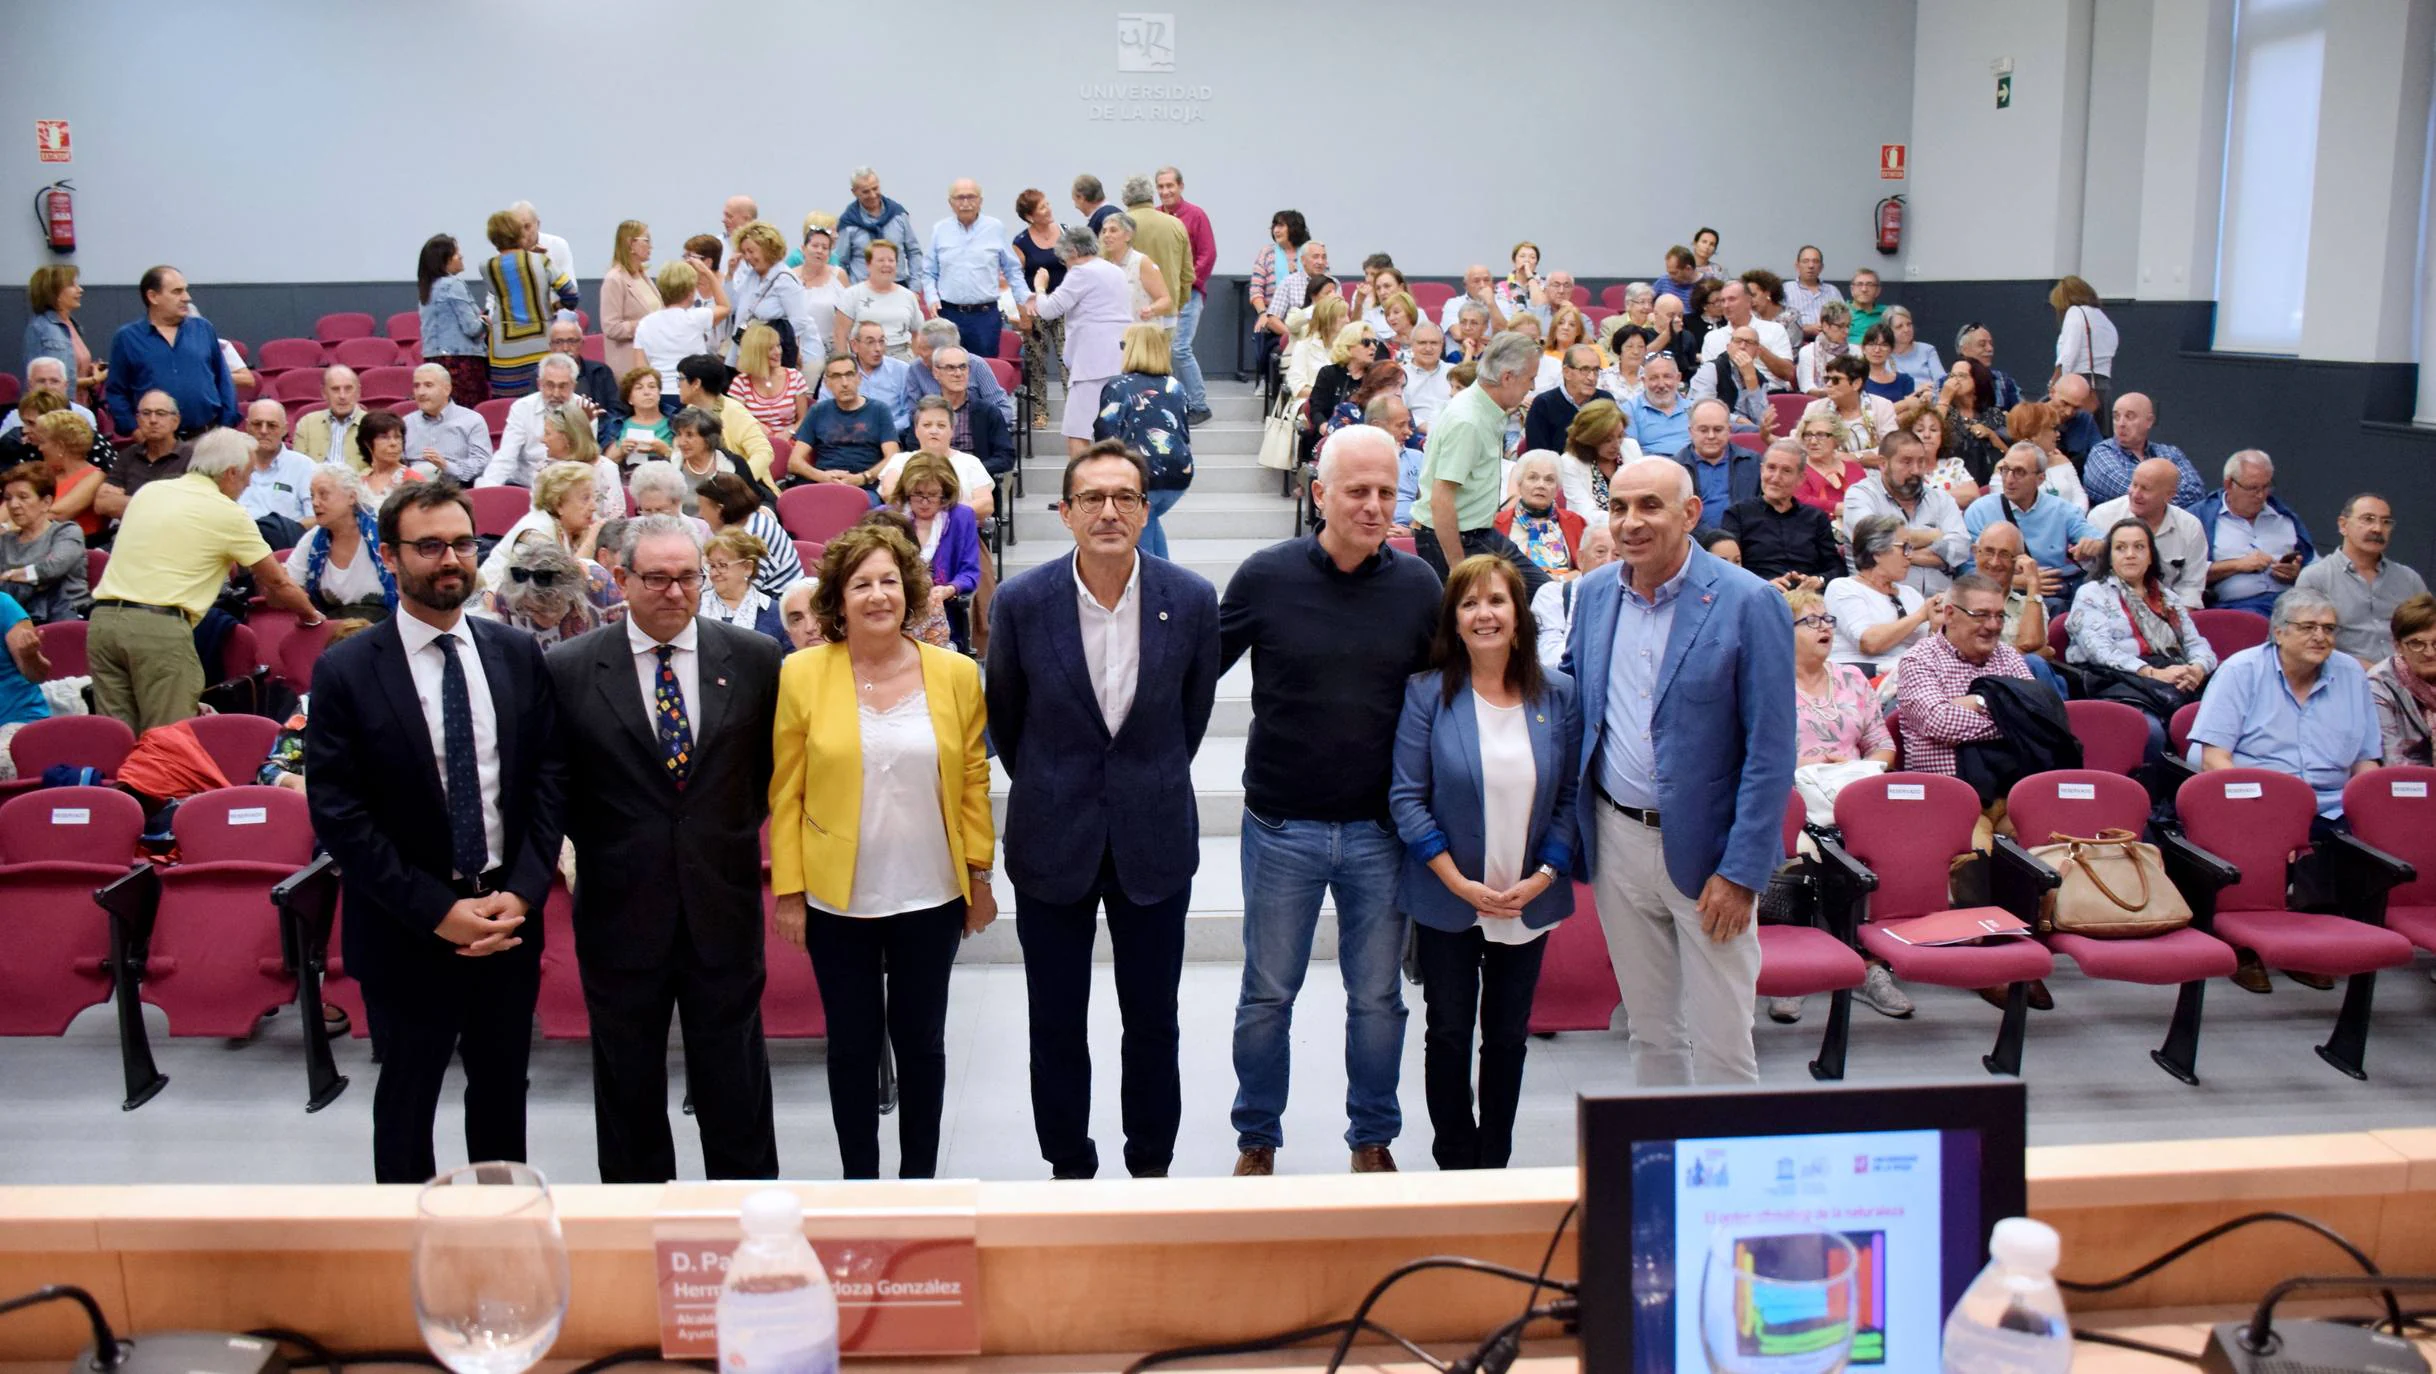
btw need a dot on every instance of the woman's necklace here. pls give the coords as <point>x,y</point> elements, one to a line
<point>872,681</point>
<point>704,470</point>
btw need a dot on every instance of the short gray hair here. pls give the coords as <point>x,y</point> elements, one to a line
<point>349,485</point>
<point>560,362</point>
<point>1380,407</point>
<point>222,451</point>
<point>1077,244</point>
<point>658,476</point>
<point>644,527</point>
<point>1640,291</point>
<point>862,174</point>
<point>1341,444</point>
<point>1470,310</point>
<point>940,332</point>
<point>2297,600</point>
<point>2234,464</point>
<point>524,207</point>
<point>1507,356</point>
<point>1895,311</point>
<point>45,363</point>
<point>1874,535</point>
<point>1138,190</point>
<point>1788,446</point>
<point>1170,170</point>
<point>1118,218</point>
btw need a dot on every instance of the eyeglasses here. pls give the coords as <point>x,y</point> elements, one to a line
<point>2311,629</point>
<point>952,367</point>
<point>720,565</point>
<point>1818,621</point>
<point>1125,502</point>
<point>539,577</point>
<point>1979,617</point>
<point>436,549</point>
<point>660,582</point>
<point>2419,647</point>
<point>2254,488</point>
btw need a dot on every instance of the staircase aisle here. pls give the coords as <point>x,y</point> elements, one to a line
<point>1233,508</point>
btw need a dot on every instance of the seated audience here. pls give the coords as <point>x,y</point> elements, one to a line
<point>641,431</point>
<point>923,376</point>
<point>702,382</point>
<point>1940,712</point>
<point>733,559</point>
<point>2257,545</point>
<point>522,451</point>
<point>1425,382</point>
<point>1595,446</point>
<point>1860,420</point>
<point>1935,542</point>
<point>66,444</point>
<point>338,563</point>
<point>1621,379</point>
<point>1830,341</point>
<point>933,433</point>
<point>1978,344</point>
<point>275,485</point>
<point>563,513</point>
<point>1552,605</point>
<point>1883,380</point>
<point>1551,412</point>
<point>155,454</point>
<point>947,536</point>
<point>1878,616</point>
<point>568,436</point>
<point>2181,545</point>
<point>2033,422</point>
<point>380,451</point>
<point>727,500</point>
<point>2364,585</point>
<point>446,438</point>
<point>329,433</point>
<point>1827,472</point>
<point>1974,427</point>
<point>1350,359</point>
<point>2404,686</point>
<point>1660,419</point>
<point>549,593</point>
<point>23,669</point>
<point>1722,473</point>
<point>2293,705</point>
<point>2074,404</point>
<point>2127,621</point>
<point>1784,540</point>
<point>594,382</point>
<point>795,609</point>
<point>975,405</point>
<point>1914,357</point>
<point>1997,556</point>
<point>1548,535</point>
<point>42,560</point>
<point>1736,376</point>
<point>1713,540</point>
<point>2053,533</point>
<point>45,376</point>
<point>846,437</point>
<point>2107,473</point>
<point>700,456</point>
<point>662,488</point>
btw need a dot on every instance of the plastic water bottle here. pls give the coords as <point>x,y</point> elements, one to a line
<point>2011,1320</point>
<point>777,1313</point>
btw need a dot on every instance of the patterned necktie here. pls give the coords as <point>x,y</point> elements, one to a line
<point>468,849</point>
<point>668,713</point>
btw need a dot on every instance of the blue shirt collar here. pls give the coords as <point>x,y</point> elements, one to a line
<point>1667,590</point>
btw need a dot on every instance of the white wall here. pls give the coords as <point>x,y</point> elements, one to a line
<point>305,140</point>
<point>1997,194</point>
<point>2118,113</point>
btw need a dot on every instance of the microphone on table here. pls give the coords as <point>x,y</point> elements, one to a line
<point>2259,1346</point>
<point>163,1352</point>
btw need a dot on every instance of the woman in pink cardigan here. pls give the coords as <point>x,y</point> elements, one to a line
<point>627,295</point>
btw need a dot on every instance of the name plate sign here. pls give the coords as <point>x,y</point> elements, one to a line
<point>901,1257</point>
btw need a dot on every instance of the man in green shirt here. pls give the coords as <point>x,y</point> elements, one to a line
<point>1866,311</point>
<point>1463,466</point>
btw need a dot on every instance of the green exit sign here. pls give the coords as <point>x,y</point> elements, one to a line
<point>2004,91</point>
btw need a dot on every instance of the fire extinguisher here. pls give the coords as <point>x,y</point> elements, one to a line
<point>55,208</point>
<point>1890,224</point>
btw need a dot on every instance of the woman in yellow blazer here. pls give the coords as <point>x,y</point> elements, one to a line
<point>880,834</point>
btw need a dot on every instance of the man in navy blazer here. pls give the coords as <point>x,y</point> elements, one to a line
<point>439,788</point>
<point>1103,665</point>
<point>1684,664</point>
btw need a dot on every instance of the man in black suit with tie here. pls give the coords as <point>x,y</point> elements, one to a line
<point>666,727</point>
<point>1103,666</point>
<point>433,749</point>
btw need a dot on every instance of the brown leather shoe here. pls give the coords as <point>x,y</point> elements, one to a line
<point>2251,976</point>
<point>2322,982</point>
<point>1373,1159</point>
<point>1256,1161</point>
<point>2038,999</point>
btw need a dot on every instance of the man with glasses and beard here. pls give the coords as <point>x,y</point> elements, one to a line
<point>1933,535</point>
<point>439,791</point>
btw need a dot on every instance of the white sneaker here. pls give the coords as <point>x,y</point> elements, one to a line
<point>1784,1011</point>
<point>1880,992</point>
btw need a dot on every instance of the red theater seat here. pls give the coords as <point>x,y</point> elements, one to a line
<point>56,847</point>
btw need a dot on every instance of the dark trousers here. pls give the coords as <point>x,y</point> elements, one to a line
<point>727,1067</point>
<point>886,977</point>
<point>1467,981</point>
<point>481,1012</point>
<point>1148,939</point>
<point>976,326</point>
<point>1425,542</point>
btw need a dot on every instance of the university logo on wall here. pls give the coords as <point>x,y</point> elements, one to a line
<point>1146,42</point>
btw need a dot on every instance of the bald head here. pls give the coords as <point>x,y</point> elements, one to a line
<point>2134,418</point>
<point>737,213</point>
<point>2074,391</point>
<point>2152,490</point>
<point>431,388</point>
<point>267,422</point>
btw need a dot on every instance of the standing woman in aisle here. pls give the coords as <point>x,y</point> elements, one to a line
<point>2084,343</point>
<point>1096,302</point>
<point>1483,801</point>
<point>526,292</point>
<point>881,844</point>
<point>451,326</point>
<point>627,295</point>
<point>1042,339</point>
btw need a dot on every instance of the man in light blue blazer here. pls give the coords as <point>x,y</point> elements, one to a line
<point>1103,667</point>
<point>1684,666</point>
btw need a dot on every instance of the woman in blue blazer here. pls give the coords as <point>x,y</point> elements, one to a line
<point>1483,800</point>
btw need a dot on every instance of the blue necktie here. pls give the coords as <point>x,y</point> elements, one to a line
<point>467,848</point>
<point>668,713</point>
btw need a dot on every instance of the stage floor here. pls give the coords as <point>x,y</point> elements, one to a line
<point>233,1113</point>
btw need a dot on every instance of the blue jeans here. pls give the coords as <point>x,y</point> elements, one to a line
<point>1154,538</point>
<point>1287,865</point>
<point>1187,367</point>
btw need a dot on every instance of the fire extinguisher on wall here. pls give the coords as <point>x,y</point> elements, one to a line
<point>55,208</point>
<point>1890,224</point>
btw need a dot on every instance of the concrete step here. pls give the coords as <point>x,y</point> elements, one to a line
<point>1200,515</point>
<point>1213,925</point>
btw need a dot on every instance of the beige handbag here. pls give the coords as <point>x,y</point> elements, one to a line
<point>1280,436</point>
<point>2114,888</point>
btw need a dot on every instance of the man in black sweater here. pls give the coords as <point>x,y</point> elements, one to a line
<point>1551,412</point>
<point>1335,622</point>
<point>1784,541</point>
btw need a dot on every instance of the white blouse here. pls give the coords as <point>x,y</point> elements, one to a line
<point>743,616</point>
<point>902,862</point>
<point>342,584</point>
<point>1511,785</point>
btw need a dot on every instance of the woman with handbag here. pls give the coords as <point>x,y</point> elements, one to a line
<point>765,293</point>
<point>2133,637</point>
<point>1483,800</point>
<point>1096,302</point>
<point>2084,343</point>
<point>1143,408</point>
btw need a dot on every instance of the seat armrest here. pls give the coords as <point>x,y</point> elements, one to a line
<point>133,900</point>
<point>2200,874</point>
<point>1843,882</point>
<point>2364,875</point>
<point>2018,879</point>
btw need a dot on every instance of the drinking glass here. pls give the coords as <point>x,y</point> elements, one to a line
<point>1776,1302</point>
<point>490,1268</point>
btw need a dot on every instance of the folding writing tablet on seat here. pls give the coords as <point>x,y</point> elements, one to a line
<point>2265,818</point>
<point>217,964</point>
<point>2084,803</point>
<point>56,847</point>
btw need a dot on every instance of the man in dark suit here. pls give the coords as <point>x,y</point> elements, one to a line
<point>434,737</point>
<point>665,726</point>
<point>1102,669</point>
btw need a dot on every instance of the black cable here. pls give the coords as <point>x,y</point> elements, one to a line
<point>2261,1330</point>
<point>2393,1309</point>
<point>1497,1354</point>
<point>108,1351</point>
<point>1361,1314</point>
<point>1540,1280</point>
<point>2127,1343</point>
<point>1279,1341</point>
